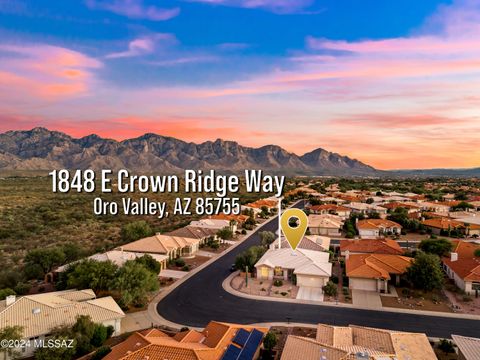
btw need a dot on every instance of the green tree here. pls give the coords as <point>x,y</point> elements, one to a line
<point>477,253</point>
<point>269,341</point>
<point>91,274</point>
<point>47,258</point>
<point>425,272</point>
<point>6,292</point>
<point>99,335</point>
<point>446,346</point>
<point>226,233</point>
<point>10,333</point>
<point>133,282</point>
<point>440,247</point>
<point>370,201</point>
<point>149,262</point>
<point>462,206</point>
<point>267,237</point>
<point>60,352</point>
<point>330,289</point>
<point>72,252</point>
<point>135,230</point>
<point>249,257</point>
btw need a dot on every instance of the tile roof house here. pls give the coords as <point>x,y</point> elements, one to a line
<point>371,246</point>
<point>463,266</point>
<point>375,228</point>
<point>410,207</point>
<point>240,219</point>
<point>39,314</point>
<point>439,224</point>
<point>373,271</point>
<point>310,268</point>
<point>120,257</point>
<point>195,232</point>
<point>363,208</point>
<point>326,224</point>
<point>468,347</point>
<point>333,209</point>
<point>358,342</point>
<point>217,341</point>
<point>171,246</point>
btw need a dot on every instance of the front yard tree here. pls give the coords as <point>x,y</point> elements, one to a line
<point>149,262</point>
<point>425,272</point>
<point>330,289</point>
<point>440,247</point>
<point>267,237</point>
<point>225,234</point>
<point>270,341</point>
<point>249,258</point>
<point>133,282</point>
<point>90,274</point>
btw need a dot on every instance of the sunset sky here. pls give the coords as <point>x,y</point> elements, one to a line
<point>395,83</point>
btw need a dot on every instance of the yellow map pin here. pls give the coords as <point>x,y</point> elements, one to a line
<point>294,223</point>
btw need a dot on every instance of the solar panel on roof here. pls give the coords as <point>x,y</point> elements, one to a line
<point>251,345</point>
<point>231,353</point>
<point>241,337</point>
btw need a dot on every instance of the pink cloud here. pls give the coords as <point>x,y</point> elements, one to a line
<point>134,9</point>
<point>44,71</point>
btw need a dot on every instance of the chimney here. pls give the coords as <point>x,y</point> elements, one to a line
<point>10,300</point>
<point>453,256</point>
<point>347,254</point>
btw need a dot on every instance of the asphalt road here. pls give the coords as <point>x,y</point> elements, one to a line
<point>201,298</point>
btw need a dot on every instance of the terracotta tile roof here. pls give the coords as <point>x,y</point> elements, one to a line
<point>384,246</point>
<point>378,343</point>
<point>209,344</point>
<point>467,266</point>
<point>39,314</point>
<point>159,244</point>
<point>263,202</point>
<point>239,218</point>
<point>377,224</point>
<point>464,249</point>
<point>395,205</point>
<point>443,223</point>
<point>194,232</point>
<point>376,266</point>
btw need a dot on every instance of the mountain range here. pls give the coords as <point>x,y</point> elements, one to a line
<point>42,149</point>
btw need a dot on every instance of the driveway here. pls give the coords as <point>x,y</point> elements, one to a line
<point>366,299</point>
<point>174,274</point>
<point>310,293</point>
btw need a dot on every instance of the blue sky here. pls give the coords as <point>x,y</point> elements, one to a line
<point>381,81</point>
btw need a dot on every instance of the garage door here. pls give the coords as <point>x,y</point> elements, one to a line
<point>310,281</point>
<point>363,284</point>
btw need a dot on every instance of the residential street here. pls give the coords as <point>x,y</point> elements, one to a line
<point>201,298</point>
